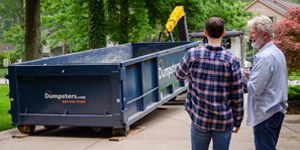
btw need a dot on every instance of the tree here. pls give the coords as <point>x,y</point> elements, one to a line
<point>146,16</point>
<point>21,14</point>
<point>287,37</point>
<point>8,15</point>
<point>68,23</point>
<point>294,1</point>
<point>15,36</point>
<point>128,20</point>
<point>33,42</point>
<point>97,35</point>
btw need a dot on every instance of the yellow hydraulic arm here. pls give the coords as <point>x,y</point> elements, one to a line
<point>175,16</point>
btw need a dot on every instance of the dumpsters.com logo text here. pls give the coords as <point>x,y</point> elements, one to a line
<point>165,72</point>
<point>49,95</point>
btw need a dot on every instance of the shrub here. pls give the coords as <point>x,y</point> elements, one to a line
<point>294,92</point>
<point>14,56</point>
<point>2,56</point>
<point>287,37</point>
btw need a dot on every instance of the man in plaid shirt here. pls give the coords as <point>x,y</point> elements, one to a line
<point>215,94</point>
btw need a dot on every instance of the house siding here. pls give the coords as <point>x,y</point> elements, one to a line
<point>265,10</point>
<point>7,47</point>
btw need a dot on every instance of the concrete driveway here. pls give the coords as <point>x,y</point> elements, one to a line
<point>166,128</point>
<point>4,81</point>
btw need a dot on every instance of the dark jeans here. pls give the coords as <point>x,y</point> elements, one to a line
<point>201,138</point>
<point>266,134</point>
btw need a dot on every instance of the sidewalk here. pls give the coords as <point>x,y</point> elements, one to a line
<point>166,128</point>
<point>2,81</point>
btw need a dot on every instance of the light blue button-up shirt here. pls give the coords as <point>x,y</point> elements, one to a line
<point>267,86</point>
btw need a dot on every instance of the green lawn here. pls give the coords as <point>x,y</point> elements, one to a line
<point>2,71</point>
<point>5,118</point>
<point>294,78</point>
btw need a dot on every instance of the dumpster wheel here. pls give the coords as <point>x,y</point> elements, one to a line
<point>26,128</point>
<point>50,127</point>
<point>173,99</point>
<point>119,132</point>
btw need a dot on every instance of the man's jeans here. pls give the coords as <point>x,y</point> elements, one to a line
<point>266,133</point>
<point>201,138</point>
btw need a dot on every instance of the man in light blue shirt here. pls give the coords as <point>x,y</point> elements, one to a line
<point>267,85</point>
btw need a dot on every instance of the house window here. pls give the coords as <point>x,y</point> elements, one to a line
<point>271,18</point>
<point>258,7</point>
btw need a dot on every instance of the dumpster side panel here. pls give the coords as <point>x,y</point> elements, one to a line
<point>81,96</point>
<point>149,75</point>
<point>131,89</point>
<point>140,87</point>
<point>167,64</point>
<point>154,83</point>
<point>14,97</point>
<point>57,94</point>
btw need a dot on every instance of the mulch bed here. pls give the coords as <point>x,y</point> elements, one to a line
<point>294,107</point>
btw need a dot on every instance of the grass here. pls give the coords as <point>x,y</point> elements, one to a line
<point>2,71</point>
<point>294,77</point>
<point>297,73</point>
<point>5,118</point>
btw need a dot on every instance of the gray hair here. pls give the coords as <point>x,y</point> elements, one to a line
<point>262,23</point>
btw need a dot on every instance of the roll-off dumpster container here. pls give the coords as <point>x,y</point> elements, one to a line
<point>107,87</point>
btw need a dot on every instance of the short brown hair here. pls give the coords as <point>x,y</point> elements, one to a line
<point>215,27</point>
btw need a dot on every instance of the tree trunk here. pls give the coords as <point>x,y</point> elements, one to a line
<point>97,35</point>
<point>33,42</point>
<point>15,19</point>
<point>21,14</point>
<point>65,46</point>
<point>124,21</point>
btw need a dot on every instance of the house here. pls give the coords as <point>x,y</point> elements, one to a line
<point>274,9</point>
<point>7,47</point>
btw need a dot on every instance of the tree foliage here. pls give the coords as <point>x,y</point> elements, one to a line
<point>67,22</point>
<point>287,37</point>
<point>129,20</point>
<point>294,1</point>
<point>9,15</point>
<point>15,36</point>
<point>146,16</point>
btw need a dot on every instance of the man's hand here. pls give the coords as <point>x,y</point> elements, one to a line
<point>246,73</point>
<point>235,130</point>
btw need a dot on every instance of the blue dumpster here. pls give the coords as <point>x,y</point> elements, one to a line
<point>107,87</point>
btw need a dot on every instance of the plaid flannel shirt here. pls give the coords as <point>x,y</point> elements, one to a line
<point>215,94</point>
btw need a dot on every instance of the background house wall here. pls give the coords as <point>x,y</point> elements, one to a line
<point>262,9</point>
<point>7,47</point>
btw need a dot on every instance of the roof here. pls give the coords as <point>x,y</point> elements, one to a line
<point>274,4</point>
<point>7,47</point>
<point>288,3</point>
<point>227,34</point>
